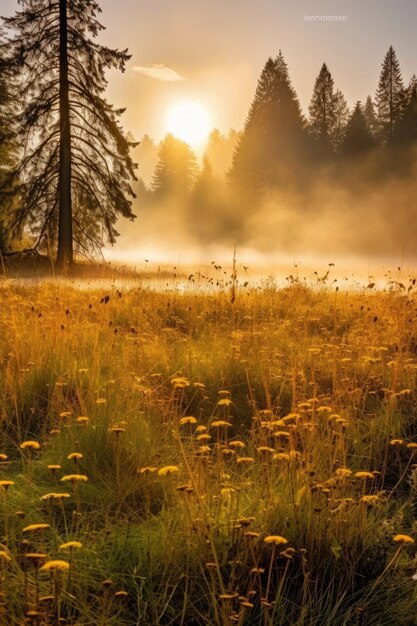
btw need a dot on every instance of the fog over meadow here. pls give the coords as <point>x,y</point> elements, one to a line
<point>337,180</point>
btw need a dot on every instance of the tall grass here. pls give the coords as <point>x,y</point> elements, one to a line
<point>246,463</point>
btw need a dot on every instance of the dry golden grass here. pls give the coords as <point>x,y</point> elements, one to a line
<point>198,462</point>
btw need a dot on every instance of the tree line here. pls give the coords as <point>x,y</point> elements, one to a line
<point>66,168</point>
<point>280,148</point>
<point>278,140</point>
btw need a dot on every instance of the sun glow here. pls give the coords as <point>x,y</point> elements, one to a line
<point>189,121</point>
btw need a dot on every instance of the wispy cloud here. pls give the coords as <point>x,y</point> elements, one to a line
<point>160,72</point>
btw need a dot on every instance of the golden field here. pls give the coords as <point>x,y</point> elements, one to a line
<point>175,458</point>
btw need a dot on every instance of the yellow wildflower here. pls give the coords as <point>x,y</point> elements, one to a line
<point>30,445</point>
<point>55,496</point>
<point>147,470</point>
<point>55,566</point>
<point>54,467</point>
<point>70,545</point>
<point>74,478</point>
<point>343,472</point>
<point>370,499</point>
<point>237,444</point>
<point>281,456</point>
<point>188,420</point>
<point>403,539</point>
<point>364,475</point>
<point>6,484</point>
<point>275,539</point>
<point>75,456</point>
<point>203,437</point>
<point>34,527</point>
<point>265,449</point>
<point>220,424</point>
<point>167,470</point>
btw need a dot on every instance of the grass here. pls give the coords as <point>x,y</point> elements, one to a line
<point>248,463</point>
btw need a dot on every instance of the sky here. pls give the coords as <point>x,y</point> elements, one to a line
<point>220,46</point>
<point>212,51</point>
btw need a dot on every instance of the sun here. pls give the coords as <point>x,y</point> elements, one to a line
<point>189,121</point>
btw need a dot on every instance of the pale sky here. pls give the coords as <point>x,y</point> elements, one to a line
<point>219,48</point>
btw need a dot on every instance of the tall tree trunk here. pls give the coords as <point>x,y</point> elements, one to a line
<point>65,242</point>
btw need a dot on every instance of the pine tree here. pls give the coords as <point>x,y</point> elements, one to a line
<point>273,136</point>
<point>175,171</point>
<point>390,98</point>
<point>358,140</point>
<point>220,149</point>
<point>328,114</point>
<point>412,86</point>
<point>208,201</point>
<point>147,155</point>
<point>370,117</point>
<point>75,169</point>
<point>341,117</point>
<point>205,181</point>
<point>321,107</point>
<point>407,129</point>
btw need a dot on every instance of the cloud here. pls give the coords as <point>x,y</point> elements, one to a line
<point>160,72</point>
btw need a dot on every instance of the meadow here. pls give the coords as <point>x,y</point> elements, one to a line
<point>176,458</point>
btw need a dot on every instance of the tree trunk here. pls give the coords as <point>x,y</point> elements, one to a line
<point>65,241</point>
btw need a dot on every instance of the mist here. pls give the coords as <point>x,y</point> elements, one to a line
<point>339,182</point>
<point>325,216</point>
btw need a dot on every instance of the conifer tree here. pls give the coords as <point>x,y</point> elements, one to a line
<point>358,140</point>
<point>321,109</point>
<point>175,171</point>
<point>208,200</point>
<point>147,155</point>
<point>370,117</point>
<point>390,98</point>
<point>412,85</point>
<point>327,113</point>
<point>205,182</point>
<point>219,150</point>
<point>341,117</point>
<point>407,131</point>
<point>75,170</point>
<point>273,135</point>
